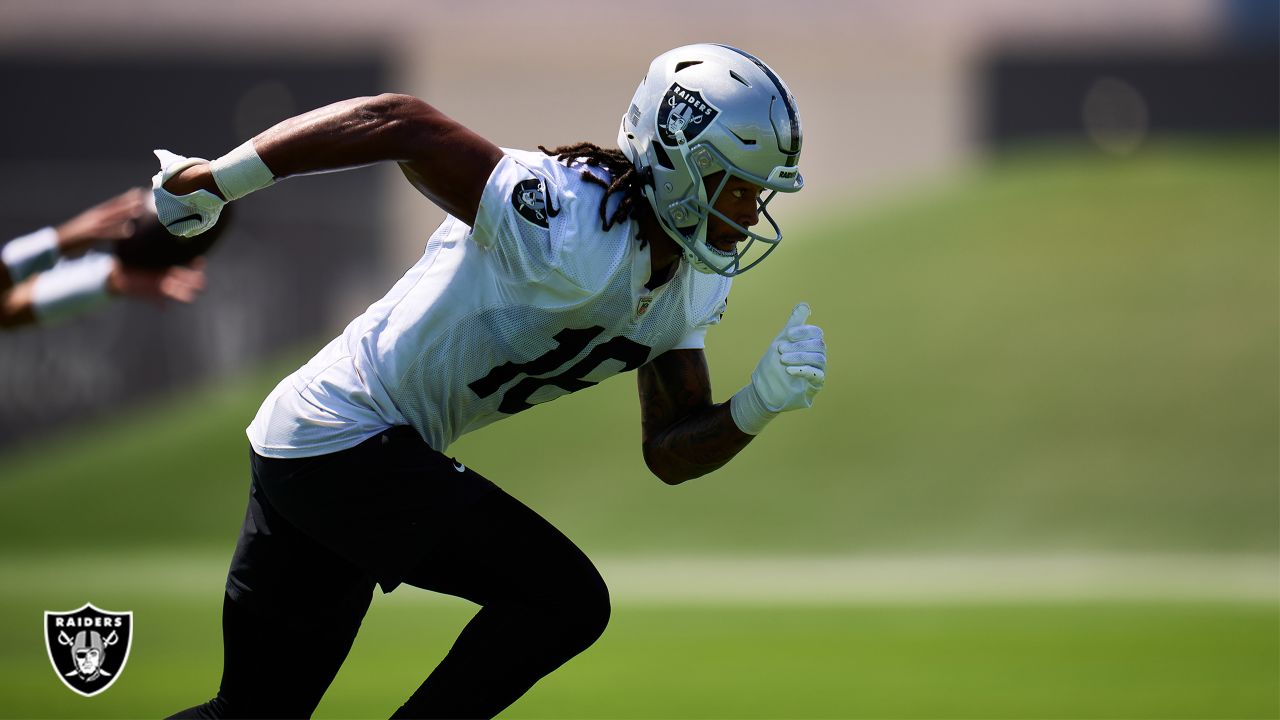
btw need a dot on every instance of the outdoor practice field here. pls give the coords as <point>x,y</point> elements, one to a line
<point>1041,482</point>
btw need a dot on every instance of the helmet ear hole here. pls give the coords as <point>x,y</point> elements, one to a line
<point>645,175</point>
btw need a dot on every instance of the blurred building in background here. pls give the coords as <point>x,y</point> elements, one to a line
<point>893,93</point>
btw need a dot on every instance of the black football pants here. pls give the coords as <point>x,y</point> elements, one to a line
<point>296,599</point>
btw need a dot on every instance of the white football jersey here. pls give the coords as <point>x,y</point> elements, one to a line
<point>534,302</point>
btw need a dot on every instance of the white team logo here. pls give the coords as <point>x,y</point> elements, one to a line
<point>88,647</point>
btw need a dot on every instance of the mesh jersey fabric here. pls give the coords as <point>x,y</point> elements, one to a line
<point>535,302</point>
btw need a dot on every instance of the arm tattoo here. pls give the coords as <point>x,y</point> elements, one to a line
<point>685,435</point>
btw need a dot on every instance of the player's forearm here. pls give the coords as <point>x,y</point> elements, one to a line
<point>345,134</point>
<point>449,163</point>
<point>443,159</point>
<point>685,435</point>
<point>699,443</point>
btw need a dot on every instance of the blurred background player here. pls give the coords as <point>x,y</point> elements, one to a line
<point>58,272</point>
<point>554,270</point>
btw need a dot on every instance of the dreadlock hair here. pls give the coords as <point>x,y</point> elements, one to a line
<point>623,177</point>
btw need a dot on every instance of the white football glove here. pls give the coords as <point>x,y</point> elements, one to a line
<point>186,215</point>
<point>788,377</point>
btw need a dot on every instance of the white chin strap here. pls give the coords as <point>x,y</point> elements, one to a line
<point>696,250</point>
<point>687,243</point>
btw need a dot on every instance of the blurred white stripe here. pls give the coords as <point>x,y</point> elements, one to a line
<point>750,580</point>
<point>933,579</point>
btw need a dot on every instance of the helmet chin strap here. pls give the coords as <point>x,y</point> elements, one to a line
<point>682,240</point>
<point>696,249</point>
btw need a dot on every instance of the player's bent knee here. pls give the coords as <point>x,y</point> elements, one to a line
<point>584,613</point>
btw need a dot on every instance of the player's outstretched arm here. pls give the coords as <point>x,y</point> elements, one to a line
<point>447,162</point>
<point>108,221</point>
<point>74,287</point>
<point>685,435</point>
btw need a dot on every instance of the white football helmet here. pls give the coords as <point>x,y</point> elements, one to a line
<point>702,109</point>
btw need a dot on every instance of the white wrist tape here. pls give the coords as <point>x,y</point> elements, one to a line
<point>240,172</point>
<point>749,411</point>
<point>71,287</point>
<point>29,254</point>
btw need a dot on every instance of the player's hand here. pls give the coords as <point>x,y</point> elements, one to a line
<point>111,220</point>
<point>794,367</point>
<point>177,283</point>
<point>183,215</point>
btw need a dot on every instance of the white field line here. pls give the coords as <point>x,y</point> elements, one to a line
<point>795,580</point>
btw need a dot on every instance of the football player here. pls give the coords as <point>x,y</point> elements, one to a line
<point>553,271</point>
<point>58,272</point>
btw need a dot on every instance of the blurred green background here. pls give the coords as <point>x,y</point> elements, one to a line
<point>1060,352</point>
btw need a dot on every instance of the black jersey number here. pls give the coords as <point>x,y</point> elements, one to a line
<point>569,342</point>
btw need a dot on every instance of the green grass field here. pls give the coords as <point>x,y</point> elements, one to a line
<point>1093,660</point>
<point>1059,353</point>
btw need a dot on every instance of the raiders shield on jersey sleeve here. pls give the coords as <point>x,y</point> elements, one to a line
<point>514,220</point>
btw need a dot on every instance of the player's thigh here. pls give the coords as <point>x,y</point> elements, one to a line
<point>500,550</point>
<point>291,579</point>
<point>376,505</point>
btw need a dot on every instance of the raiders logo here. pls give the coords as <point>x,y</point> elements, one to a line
<point>88,647</point>
<point>530,200</point>
<point>683,110</point>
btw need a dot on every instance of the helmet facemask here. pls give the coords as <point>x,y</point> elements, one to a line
<point>702,208</point>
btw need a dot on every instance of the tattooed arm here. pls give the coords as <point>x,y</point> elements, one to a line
<point>685,436</point>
